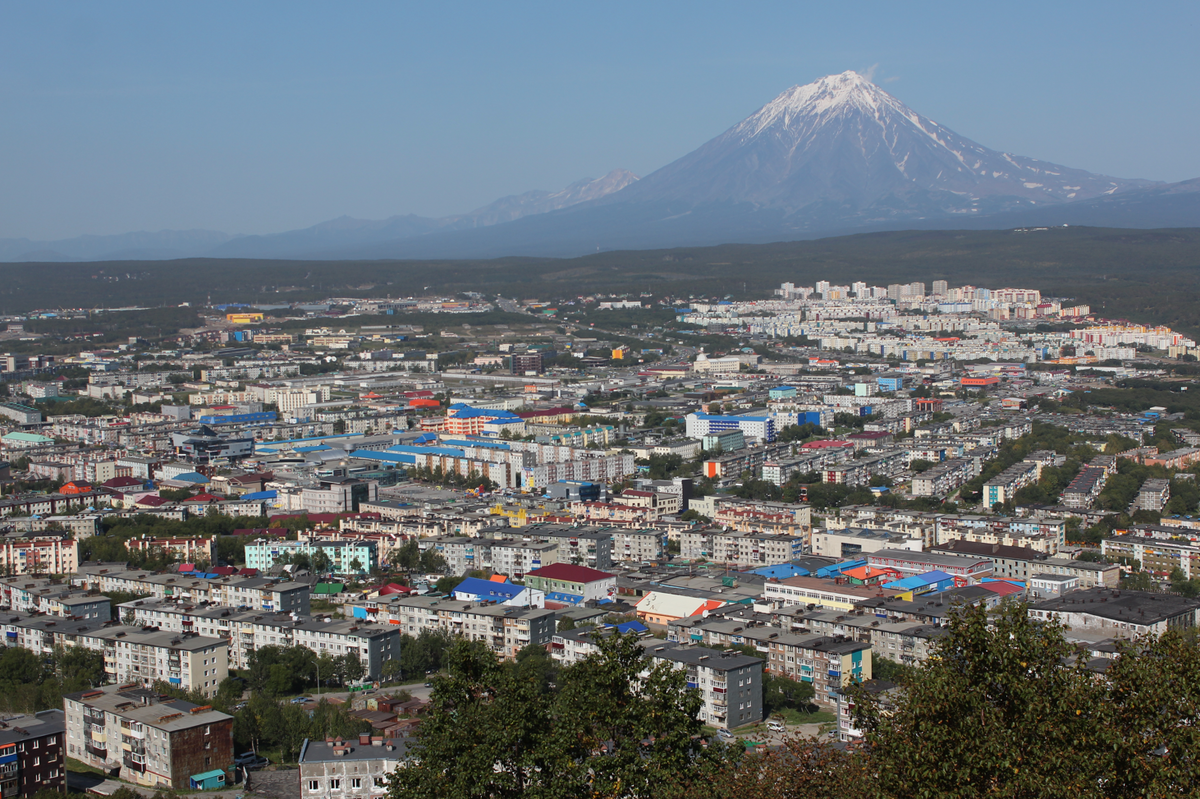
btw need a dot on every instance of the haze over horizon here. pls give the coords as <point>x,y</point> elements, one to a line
<point>133,117</point>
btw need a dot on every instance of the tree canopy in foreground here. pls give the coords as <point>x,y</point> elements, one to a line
<point>1005,707</point>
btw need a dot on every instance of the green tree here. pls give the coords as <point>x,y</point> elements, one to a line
<point>320,562</point>
<point>888,670</point>
<point>999,707</point>
<point>616,728</point>
<point>782,693</point>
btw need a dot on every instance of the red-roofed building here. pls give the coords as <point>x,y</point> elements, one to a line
<point>201,499</point>
<point>152,501</point>
<point>574,585</point>
<point>75,487</point>
<point>1002,587</point>
<point>549,415</point>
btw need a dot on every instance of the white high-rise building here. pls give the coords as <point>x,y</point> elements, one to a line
<point>940,288</point>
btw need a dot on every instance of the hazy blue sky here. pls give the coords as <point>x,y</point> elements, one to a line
<point>260,117</point>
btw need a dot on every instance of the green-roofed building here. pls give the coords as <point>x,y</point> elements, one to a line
<point>25,440</point>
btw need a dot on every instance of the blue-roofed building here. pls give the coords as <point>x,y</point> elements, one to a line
<point>927,583</point>
<point>259,495</point>
<point>191,477</point>
<point>635,627</point>
<point>474,589</point>
<point>781,571</point>
<point>838,568</point>
<point>463,411</point>
<point>384,457</point>
<point>460,442</point>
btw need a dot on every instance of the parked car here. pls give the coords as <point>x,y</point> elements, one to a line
<point>725,735</point>
<point>300,700</point>
<point>776,726</point>
<point>250,761</point>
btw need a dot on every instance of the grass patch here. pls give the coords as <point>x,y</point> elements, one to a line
<point>79,767</point>
<point>791,716</point>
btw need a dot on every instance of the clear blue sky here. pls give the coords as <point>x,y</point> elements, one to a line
<point>260,117</point>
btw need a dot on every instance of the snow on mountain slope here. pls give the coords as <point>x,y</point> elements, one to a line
<point>843,143</point>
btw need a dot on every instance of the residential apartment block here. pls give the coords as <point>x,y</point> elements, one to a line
<point>352,769</point>
<point>345,557</point>
<point>32,753</point>
<point>504,629</point>
<point>263,594</point>
<point>127,731</point>
<point>1022,563</point>
<point>748,549</point>
<point>1003,486</point>
<point>246,631</point>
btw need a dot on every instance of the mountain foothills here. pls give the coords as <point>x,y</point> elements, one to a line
<point>308,242</point>
<point>835,156</point>
<point>1119,271</point>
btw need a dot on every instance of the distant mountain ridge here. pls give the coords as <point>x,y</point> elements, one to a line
<point>341,232</point>
<point>833,157</point>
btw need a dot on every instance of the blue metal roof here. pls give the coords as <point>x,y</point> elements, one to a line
<point>559,596</point>
<point>631,627</point>
<point>486,589</point>
<point>458,442</point>
<point>464,411</point>
<point>385,457</point>
<point>838,568</point>
<point>918,581</point>
<point>450,451</point>
<point>781,571</point>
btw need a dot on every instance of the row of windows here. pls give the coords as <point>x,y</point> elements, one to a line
<point>335,783</point>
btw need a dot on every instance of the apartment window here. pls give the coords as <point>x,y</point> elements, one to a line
<point>356,782</point>
<point>314,785</point>
<point>335,784</point>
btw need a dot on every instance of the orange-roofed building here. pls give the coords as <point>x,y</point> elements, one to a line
<point>871,575</point>
<point>75,487</point>
<point>498,578</point>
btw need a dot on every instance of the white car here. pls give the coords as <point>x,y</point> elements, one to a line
<point>725,735</point>
<point>776,726</point>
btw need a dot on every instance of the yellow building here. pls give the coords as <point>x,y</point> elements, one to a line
<point>620,353</point>
<point>244,318</point>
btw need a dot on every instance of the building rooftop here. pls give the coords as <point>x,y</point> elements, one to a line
<point>15,729</point>
<point>139,704</point>
<point>314,751</point>
<point>1135,607</point>
<point>569,573</point>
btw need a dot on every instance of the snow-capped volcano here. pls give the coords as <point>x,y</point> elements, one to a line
<point>843,143</point>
